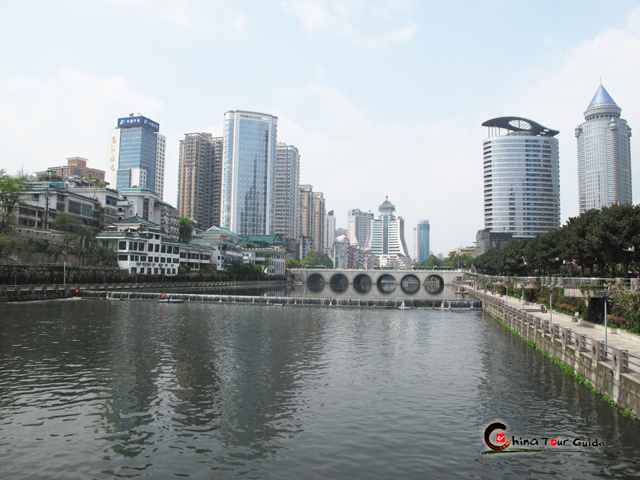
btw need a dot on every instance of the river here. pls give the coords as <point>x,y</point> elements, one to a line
<point>104,389</point>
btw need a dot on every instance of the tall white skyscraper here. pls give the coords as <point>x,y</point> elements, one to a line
<point>387,233</point>
<point>521,177</point>
<point>329,233</point>
<point>285,201</point>
<point>604,154</point>
<point>248,157</point>
<point>359,226</point>
<point>136,155</point>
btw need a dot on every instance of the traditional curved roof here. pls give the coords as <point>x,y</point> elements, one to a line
<point>602,97</point>
<point>519,124</point>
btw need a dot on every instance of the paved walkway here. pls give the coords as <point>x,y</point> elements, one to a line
<point>585,328</point>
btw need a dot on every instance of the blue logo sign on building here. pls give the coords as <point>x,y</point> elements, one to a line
<point>133,122</point>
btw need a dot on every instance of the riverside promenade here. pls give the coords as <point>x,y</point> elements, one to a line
<point>612,367</point>
<point>617,338</point>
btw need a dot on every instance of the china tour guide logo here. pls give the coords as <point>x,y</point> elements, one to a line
<point>500,437</point>
<point>499,443</point>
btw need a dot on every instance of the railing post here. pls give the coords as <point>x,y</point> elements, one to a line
<point>596,350</point>
<point>565,332</point>
<point>620,360</point>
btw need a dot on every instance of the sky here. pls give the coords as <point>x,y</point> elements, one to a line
<point>381,97</point>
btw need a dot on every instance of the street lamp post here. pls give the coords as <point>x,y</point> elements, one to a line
<point>605,295</point>
<point>64,269</point>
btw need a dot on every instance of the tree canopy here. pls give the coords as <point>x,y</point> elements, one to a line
<point>185,229</point>
<point>72,229</point>
<point>605,242</point>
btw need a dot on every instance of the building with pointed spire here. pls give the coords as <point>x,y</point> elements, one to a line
<point>604,154</point>
<point>387,233</point>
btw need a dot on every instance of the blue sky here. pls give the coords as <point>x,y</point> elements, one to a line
<point>382,97</point>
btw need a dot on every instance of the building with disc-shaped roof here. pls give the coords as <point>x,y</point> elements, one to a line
<point>604,154</point>
<point>521,177</point>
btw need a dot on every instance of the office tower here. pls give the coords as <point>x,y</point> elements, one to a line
<point>285,194</point>
<point>318,222</point>
<point>305,227</point>
<point>199,178</point>
<point>387,233</point>
<point>359,226</point>
<point>247,162</point>
<point>421,241</point>
<point>604,154</point>
<point>329,232</point>
<point>521,177</point>
<point>136,153</point>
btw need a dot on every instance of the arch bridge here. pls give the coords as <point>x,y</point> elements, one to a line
<point>383,281</point>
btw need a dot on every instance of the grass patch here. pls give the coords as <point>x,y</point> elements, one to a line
<point>582,380</point>
<point>610,401</point>
<point>629,413</point>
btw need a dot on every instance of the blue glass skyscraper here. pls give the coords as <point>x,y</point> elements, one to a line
<point>136,155</point>
<point>248,157</point>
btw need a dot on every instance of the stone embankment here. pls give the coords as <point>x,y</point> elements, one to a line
<point>19,293</point>
<point>613,368</point>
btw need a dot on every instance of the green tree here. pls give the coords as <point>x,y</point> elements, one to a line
<point>432,261</point>
<point>311,259</point>
<point>10,189</point>
<point>326,260</point>
<point>185,229</point>
<point>293,263</point>
<point>72,228</point>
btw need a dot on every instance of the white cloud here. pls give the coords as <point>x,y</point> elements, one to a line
<point>340,17</point>
<point>557,99</point>
<point>51,118</point>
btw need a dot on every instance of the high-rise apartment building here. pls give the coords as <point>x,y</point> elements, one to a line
<point>248,156</point>
<point>387,233</point>
<point>200,178</point>
<point>319,213</point>
<point>359,226</point>
<point>136,155</point>
<point>421,241</point>
<point>306,223</point>
<point>329,233</point>
<point>521,177</point>
<point>285,193</point>
<point>604,154</point>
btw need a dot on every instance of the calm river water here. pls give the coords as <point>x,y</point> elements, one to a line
<point>103,389</point>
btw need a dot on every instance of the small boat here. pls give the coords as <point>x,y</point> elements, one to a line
<point>403,306</point>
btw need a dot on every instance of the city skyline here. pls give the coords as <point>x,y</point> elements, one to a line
<point>376,70</point>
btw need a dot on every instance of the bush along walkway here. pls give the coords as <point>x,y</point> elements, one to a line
<point>611,368</point>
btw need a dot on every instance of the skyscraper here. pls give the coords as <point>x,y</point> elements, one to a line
<point>421,241</point>
<point>604,154</point>
<point>329,233</point>
<point>247,169</point>
<point>359,226</point>
<point>136,153</point>
<point>319,212</point>
<point>306,224</point>
<point>387,233</point>
<point>285,194</point>
<point>199,178</point>
<point>521,177</point>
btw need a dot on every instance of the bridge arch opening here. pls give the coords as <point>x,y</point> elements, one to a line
<point>434,284</point>
<point>315,282</point>
<point>386,283</point>
<point>339,283</point>
<point>362,283</point>
<point>410,284</point>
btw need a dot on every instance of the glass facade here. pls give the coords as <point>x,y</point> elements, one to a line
<point>422,234</point>
<point>138,150</point>
<point>604,155</point>
<point>521,184</point>
<point>248,157</point>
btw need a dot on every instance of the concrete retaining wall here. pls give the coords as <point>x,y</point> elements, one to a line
<point>610,375</point>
